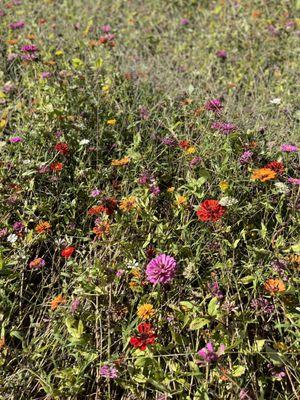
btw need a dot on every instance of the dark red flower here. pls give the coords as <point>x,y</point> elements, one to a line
<point>276,166</point>
<point>145,337</point>
<point>62,148</point>
<point>210,210</point>
<point>110,203</point>
<point>56,166</point>
<point>68,252</point>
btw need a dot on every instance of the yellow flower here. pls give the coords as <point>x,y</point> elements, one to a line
<point>145,311</point>
<point>59,53</point>
<point>136,273</point>
<point>280,346</point>
<point>224,185</point>
<point>171,189</point>
<point>263,174</point>
<point>121,162</point>
<point>191,150</point>
<point>181,200</point>
<point>111,122</point>
<point>105,88</point>
<point>128,203</point>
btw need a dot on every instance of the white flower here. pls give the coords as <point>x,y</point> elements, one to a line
<point>12,238</point>
<point>26,162</point>
<point>132,264</point>
<point>281,187</point>
<point>227,201</point>
<point>275,101</point>
<point>84,141</point>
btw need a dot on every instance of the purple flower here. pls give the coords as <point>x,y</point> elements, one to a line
<point>43,169</point>
<point>184,21</point>
<point>3,232</point>
<point>154,189</point>
<point>224,127</point>
<point>15,139</point>
<point>289,148</point>
<point>74,305</point>
<point>195,161</point>
<point>58,134</point>
<point>106,28</point>
<point>18,226</point>
<point>29,48</point>
<point>215,290</point>
<point>109,372</point>
<point>294,181</point>
<point>46,75</point>
<point>209,354</point>
<point>120,272</point>
<point>143,179</point>
<point>262,305</point>
<point>245,158</point>
<point>17,25</point>
<point>277,374</point>
<point>221,54</point>
<point>169,141</point>
<point>161,269</point>
<point>214,105</point>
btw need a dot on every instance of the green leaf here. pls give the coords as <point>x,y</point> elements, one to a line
<point>213,307</point>
<point>198,323</point>
<point>238,370</point>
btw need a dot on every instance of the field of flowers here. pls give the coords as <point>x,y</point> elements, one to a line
<point>149,181</point>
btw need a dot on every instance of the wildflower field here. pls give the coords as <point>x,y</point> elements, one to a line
<point>149,180</point>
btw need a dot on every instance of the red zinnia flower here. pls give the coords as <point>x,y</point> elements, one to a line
<point>56,166</point>
<point>276,166</point>
<point>184,144</point>
<point>145,337</point>
<point>210,210</point>
<point>62,148</point>
<point>68,251</point>
<point>95,210</point>
<point>110,204</point>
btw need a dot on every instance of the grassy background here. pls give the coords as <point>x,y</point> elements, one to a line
<point>172,70</point>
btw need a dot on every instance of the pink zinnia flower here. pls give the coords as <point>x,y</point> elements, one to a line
<point>245,158</point>
<point>161,269</point>
<point>106,28</point>
<point>209,354</point>
<point>290,148</point>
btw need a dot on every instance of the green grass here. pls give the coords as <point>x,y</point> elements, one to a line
<point>171,70</point>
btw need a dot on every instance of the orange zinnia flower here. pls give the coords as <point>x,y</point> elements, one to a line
<point>263,174</point>
<point>101,229</point>
<point>57,301</point>
<point>97,210</point>
<point>274,286</point>
<point>43,227</point>
<point>121,162</point>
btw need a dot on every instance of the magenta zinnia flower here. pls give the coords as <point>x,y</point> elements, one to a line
<point>29,48</point>
<point>245,158</point>
<point>15,139</point>
<point>214,105</point>
<point>161,269</point>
